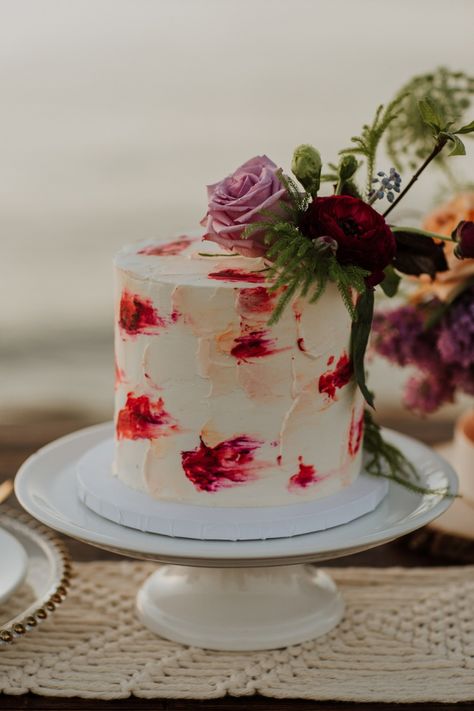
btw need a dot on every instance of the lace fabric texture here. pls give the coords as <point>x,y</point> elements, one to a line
<point>407,636</point>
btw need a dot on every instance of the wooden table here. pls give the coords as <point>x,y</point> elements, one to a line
<point>19,441</point>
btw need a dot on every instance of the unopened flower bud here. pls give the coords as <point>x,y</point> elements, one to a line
<point>306,165</point>
<point>348,166</point>
<point>325,244</point>
<point>464,236</point>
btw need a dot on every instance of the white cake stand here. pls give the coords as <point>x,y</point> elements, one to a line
<point>230,595</point>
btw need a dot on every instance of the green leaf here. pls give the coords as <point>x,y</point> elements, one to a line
<point>468,128</point>
<point>359,339</point>
<point>385,460</point>
<point>391,282</point>
<point>431,113</point>
<point>459,148</point>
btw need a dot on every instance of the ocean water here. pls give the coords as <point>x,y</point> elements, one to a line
<point>116,114</point>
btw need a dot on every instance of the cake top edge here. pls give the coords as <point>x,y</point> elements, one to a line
<point>187,258</point>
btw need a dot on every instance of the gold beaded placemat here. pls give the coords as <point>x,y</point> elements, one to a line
<point>407,636</point>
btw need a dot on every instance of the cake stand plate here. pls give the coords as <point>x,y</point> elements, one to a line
<point>231,595</point>
<point>111,498</point>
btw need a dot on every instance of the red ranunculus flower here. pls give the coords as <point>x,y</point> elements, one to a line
<point>362,235</point>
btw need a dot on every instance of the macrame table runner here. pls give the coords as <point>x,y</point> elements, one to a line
<point>407,636</point>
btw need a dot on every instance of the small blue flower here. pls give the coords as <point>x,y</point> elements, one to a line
<point>386,185</point>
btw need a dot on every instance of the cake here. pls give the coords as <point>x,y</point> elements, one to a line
<point>214,407</point>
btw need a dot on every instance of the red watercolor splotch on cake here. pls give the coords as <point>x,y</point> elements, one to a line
<point>253,344</point>
<point>257,300</point>
<point>335,379</point>
<point>356,431</point>
<point>305,476</point>
<point>169,249</point>
<point>229,463</point>
<point>300,344</point>
<point>175,315</point>
<point>142,418</point>
<point>237,275</point>
<point>138,315</point>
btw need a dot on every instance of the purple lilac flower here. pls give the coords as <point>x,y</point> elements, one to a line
<point>399,335</point>
<point>455,340</point>
<point>443,353</point>
<point>426,392</point>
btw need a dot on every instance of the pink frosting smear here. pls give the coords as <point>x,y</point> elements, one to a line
<point>229,463</point>
<point>355,434</point>
<point>138,315</point>
<point>332,380</point>
<point>169,249</point>
<point>257,300</point>
<point>142,418</point>
<point>305,477</point>
<point>237,275</point>
<point>119,375</point>
<point>254,344</point>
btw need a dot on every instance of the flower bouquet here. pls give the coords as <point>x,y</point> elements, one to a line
<point>308,240</point>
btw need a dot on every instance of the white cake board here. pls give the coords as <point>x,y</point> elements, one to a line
<point>242,595</point>
<point>109,497</point>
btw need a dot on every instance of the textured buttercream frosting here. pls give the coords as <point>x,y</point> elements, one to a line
<point>213,406</point>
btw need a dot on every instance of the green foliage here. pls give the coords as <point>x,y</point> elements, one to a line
<point>299,199</point>
<point>217,254</point>
<point>367,143</point>
<point>342,176</point>
<point>442,130</point>
<point>299,266</point>
<point>410,134</point>
<point>391,282</point>
<point>360,333</point>
<point>386,460</point>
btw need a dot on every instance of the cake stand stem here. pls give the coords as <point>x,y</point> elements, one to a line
<point>239,609</point>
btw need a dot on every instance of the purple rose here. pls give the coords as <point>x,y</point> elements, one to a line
<point>464,236</point>
<point>236,202</point>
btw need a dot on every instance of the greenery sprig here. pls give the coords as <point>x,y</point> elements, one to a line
<point>367,143</point>
<point>443,133</point>
<point>303,267</point>
<point>408,137</point>
<point>386,460</point>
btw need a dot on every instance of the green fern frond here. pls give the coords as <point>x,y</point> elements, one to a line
<point>367,143</point>
<point>298,198</point>
<point>386,460</point>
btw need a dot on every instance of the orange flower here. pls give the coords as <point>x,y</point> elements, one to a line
<point>444,220</point>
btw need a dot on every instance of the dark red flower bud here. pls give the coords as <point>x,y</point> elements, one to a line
<point>464,236</point>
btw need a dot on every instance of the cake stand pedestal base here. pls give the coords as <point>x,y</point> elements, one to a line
<point>239,609</point>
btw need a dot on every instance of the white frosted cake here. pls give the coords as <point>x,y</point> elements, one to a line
<point>213,406</point>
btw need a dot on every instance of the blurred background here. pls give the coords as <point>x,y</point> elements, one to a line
<point>117,113</point>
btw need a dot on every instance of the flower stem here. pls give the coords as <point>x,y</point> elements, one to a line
<point>440,143</point>
<point>423,233</point>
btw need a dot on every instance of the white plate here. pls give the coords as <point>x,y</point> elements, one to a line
<point>46,488</point>
<point>13,564</point>
<point>46,579</point>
